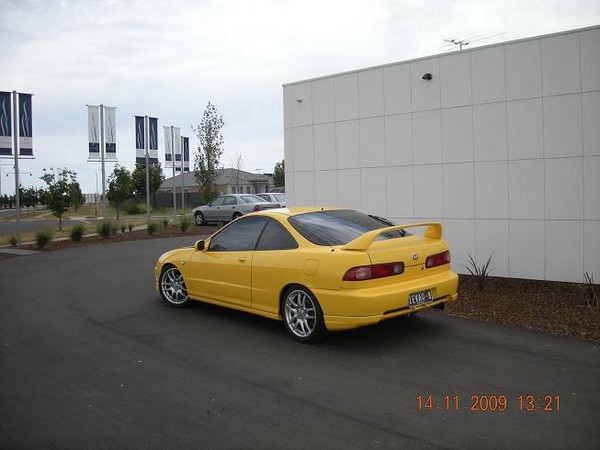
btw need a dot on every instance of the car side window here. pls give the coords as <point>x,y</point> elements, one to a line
<point>217,202</point>
<point>276,237</point>
<point>239,236</point>
<point>229,201</point>
<point>264,197</point>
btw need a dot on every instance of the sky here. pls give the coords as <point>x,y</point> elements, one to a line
<point>168,59</point>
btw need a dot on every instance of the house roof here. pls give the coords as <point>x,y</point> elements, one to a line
<point>226,176</point>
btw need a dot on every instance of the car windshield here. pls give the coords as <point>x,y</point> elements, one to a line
<point>252,199</point>
<point>338,227</point>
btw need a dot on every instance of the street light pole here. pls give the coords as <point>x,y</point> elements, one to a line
<point>146,149</point>
<point>102,143</point>
<point>16,149</point>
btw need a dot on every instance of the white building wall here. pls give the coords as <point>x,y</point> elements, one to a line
<point>502,147</point>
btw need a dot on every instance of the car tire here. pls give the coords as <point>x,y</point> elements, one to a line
<point>302,315</point>
<point>172,287</point>
<point>236,215</point>
<point>199,219</point>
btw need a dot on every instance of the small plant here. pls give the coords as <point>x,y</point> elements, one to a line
<point>185,224</point>
<point>481,273</point>
<point>152,227</point>
<point>13,241</point>
<point>106,228</point>
<point>165,223</point>
<point>43,237</point>
<point>592,300</point>
<point>77,232</point>
<point>130,227</point>
<point>123,228</point>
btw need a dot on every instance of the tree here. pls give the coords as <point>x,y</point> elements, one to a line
<point>279,174</point>
<point>77,197</point>
<point>139,179</point>
<point>237,162</point>
<point>60,191</point>
<point>28,197</point>
<point>207,162</point>
<point>120,186</point>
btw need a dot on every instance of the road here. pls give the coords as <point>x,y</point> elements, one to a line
<point>91,358</point>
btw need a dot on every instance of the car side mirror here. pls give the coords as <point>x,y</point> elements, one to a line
<point>199,246</point>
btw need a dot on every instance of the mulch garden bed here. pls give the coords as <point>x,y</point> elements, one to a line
<point>546,306</point>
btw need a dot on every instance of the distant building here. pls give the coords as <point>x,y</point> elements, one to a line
<point>229,181</point>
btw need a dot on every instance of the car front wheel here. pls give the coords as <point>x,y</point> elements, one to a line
<point>302,315</point>
<point>172,287</point>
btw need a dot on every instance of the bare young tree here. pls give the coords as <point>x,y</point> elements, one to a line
<point>237,162</point>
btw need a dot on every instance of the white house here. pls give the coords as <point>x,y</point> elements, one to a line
<point>501,144</point>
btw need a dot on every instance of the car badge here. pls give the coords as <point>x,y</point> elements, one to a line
<point>415,256</point>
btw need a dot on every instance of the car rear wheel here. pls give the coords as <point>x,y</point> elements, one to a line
<point>302,315</point>
<point>236,215</point>
<point>199,219</point>
<point>172,287</point>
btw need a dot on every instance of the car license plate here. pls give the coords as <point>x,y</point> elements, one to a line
<point>419,298</point>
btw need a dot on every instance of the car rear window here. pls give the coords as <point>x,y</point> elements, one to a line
<point>252,199</point>
<point>279,197</point>
<point>338,227</point>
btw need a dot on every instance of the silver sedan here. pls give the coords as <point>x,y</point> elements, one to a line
<point>274,197</point>
<point>230,207</point>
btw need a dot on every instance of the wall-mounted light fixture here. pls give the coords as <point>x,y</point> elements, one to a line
<point>427,77</point>
<point>299,99</point>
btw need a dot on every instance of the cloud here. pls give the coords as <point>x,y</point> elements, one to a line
<point>169,58</point>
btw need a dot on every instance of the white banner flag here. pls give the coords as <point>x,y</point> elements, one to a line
<point>177,142</point>
<point>111,133</point>
<point>170,140</point>
<point>168,145</point>
<point>94,132</point>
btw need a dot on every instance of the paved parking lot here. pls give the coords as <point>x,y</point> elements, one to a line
<point>91,358</point>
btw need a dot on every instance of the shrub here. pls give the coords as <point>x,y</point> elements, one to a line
<point>481,273</point>
<point>152,227</point>
<point>77,232</point>
<point>165,223</point>
<point>13,241</point>
<point>106,228</point>
<point>123,228</point>
<point>130,227</point>
<point>135,208</point>
<point>43,237</point>
<point>593,299</point>
<point>185,224</point>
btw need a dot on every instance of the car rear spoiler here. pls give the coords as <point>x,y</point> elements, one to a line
<point>363,242</point>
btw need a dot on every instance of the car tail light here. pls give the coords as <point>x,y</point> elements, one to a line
<point>371,272</point>
<point>256,208</point>
<point>438,259</point>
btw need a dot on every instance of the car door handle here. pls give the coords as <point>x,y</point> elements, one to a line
<point>242,259</point>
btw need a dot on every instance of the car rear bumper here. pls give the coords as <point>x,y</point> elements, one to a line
<point>352,308</point>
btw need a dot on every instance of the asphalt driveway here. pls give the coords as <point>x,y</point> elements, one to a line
<point>91,358</point>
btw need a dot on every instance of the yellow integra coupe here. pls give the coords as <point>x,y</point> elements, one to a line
<point>316,269</point>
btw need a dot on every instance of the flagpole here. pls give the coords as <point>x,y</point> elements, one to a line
<point>146,146</point>
<point>182,142</point>
<point>173,163</point>
<point>16,147</point>
<point>104,213</point>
